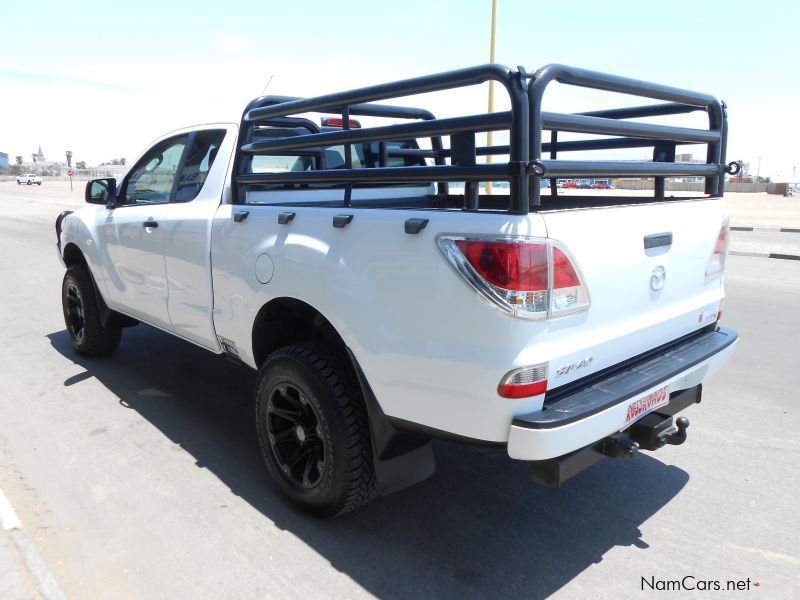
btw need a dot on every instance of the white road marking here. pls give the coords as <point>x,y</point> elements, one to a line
<point>8,518</point>
<point>37,568</point>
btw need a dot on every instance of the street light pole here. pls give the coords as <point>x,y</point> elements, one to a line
<point>758,173</point>
<point>489,136</point>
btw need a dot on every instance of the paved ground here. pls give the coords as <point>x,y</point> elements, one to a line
<point>766,242</point>
<point>745,209</point>
<point>139,476</point>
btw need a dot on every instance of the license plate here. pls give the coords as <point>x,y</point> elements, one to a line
<point>647,403</point>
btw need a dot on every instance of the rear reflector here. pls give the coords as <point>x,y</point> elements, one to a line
<point>716,264</point>
<point>525,277</point>
<point>524,382</point>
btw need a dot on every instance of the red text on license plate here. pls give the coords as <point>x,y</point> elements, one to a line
<point>645,404</point>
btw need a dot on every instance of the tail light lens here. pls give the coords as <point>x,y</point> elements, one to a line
<point>716,264</point>
<point>524,382</point>
<point>525,277</point>
<point>516,267</point>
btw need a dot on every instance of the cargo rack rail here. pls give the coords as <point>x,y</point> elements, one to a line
<point>530,158</point>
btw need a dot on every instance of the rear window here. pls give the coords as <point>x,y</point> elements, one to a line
<point>279,163</point>
<point>364,156</point>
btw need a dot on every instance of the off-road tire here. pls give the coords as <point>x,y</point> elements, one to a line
<point>347,479</point>
<point>91,338</point>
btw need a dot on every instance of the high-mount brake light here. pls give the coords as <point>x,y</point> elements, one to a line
<point>333,122</point>
<point>524,382</point>
<point>526,277</point>
<point>716,264</point>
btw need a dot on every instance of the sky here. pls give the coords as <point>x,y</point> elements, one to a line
<point>104,79</point>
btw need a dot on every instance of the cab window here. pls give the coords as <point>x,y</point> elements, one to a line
<point>152,179</point>
<point>200,156</point>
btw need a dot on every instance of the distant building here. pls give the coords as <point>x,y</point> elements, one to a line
<point>3,160</point>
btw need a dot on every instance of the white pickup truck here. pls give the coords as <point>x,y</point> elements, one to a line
<point>386,301</point>
<point>29,179</point>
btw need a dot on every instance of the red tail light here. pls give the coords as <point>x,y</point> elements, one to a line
<point>520,266</point>
<point>526,277</point>
<point>716,264</point>
<point>564,274</point>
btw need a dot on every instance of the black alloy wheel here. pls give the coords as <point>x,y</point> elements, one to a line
<point>295,436</point>
<point>73,309</point>
<point>313,430</point>
<point>82,314</point>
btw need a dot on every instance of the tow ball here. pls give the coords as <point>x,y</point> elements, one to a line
<point>651,432</point>
<point>655,430</point>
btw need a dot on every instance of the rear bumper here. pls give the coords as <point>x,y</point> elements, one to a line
<point>600,407</point>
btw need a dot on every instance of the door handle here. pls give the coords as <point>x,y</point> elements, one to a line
<point>150,224</point>
<point>240,215</point>
<point>656,240</point>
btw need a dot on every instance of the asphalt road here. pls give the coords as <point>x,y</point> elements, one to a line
<point>775,242</point>
<point>139,476</point>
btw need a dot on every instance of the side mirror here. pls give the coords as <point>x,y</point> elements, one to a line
<point>102,191</point>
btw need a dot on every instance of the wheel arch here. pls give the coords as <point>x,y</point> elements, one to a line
<point>400,458</point>
<point>285,321</point>
<point>73,255</point>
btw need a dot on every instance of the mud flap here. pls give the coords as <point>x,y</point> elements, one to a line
<point>400,459</point>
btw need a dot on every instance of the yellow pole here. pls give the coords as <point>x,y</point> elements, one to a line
<point>489,137</point>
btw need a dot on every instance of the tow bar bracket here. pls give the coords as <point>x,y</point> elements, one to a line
<point>655,430</point>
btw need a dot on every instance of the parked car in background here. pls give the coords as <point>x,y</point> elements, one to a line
<point>601,185</point>
<point>29,179</point>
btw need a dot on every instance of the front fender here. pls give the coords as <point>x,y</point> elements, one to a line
<point>81,229</point>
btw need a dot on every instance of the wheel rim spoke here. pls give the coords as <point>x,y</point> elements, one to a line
<point>311,462</point>
<point>298,453</point>
<point>292,397</point>
<point>75,317</point>
<point>285,413</point>
<point>292,425</point>
<point>281,437</point>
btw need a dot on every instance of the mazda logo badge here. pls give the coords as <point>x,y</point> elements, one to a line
<point>658,277</point>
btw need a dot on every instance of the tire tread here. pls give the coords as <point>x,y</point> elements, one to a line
<point>97,339</point>
<point>360,485</point>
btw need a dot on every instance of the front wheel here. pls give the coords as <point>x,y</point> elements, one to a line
<point>82,315</point>
<point>314,431</point>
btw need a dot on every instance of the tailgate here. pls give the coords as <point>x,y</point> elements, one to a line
<point>641,297</point>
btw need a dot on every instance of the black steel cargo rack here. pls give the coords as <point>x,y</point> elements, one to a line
<point>530,159</point>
